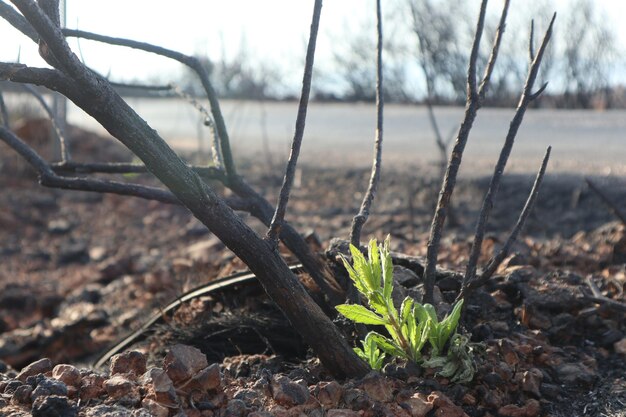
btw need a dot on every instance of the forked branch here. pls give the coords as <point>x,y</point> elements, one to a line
<point>55,80</point>
<point>473,104</point>
<point>187,60</point>
<point>360,219</point>
<point>98,98</point>
<point>296,144</point>
<point>526,98</point>
<point>23,25</point>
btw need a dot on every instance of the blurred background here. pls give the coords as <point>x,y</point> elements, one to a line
<point>254,52</point>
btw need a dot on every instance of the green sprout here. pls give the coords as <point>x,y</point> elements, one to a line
<point>409,329</point>
<point>370,353</point>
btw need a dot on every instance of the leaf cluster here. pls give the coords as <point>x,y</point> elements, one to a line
<point>412,329</point>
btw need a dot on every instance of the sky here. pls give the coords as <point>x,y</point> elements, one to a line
<point>273,30</point>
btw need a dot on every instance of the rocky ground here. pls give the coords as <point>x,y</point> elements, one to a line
<point>79,270</point>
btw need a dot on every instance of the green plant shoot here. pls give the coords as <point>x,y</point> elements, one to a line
<point>370,353</point>
<point>411,328</point>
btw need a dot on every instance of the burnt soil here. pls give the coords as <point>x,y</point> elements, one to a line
<point>80,270</point>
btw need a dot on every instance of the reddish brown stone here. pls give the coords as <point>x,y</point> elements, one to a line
<point>128,362</point>
<point>39,367</point>
<point>68,374</point>
<point>183,362</point>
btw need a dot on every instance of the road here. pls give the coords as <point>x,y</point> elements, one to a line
<point>342,134</point>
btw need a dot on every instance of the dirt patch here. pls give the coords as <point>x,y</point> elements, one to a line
<point>80,270</point>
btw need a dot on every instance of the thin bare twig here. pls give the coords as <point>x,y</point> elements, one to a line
<point>493,57</point>
<point>526,98</point>
<point>21,24</point>
<point>473,104</point>
<point>48,178</point>
<point>216,151</point>
<point>72,167</point>
<point>497,259</point>
<point>359,220</point>
<point>608,202</point>
<point>531,42</point>
<point>192,63</point>
<point>283,199</point>
<point>65,152</point>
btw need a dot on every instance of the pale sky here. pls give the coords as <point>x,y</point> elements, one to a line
<point>274,30</point>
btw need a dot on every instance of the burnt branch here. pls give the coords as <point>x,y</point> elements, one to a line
<point>260,207</point>
<point>473,59</point>
<point>493,57</point>
<point>285,190</point>
<point>187,60</point>
<point>51,9</point>
<point>473,104</point>
<point>71,167</point>
<point>18,21</point>
<point>360,219</point>
<point>526,98</point>
<point>49,78</point>
<point>142,87</point>
<point>497,259</point>
<point>608,202</point>
<point>531,42</point>
<point>98,98</point>
<point>48,177</point>
<point>65,152</point>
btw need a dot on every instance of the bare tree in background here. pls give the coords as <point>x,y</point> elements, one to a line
<point>441,58</point>
<point>588,47</point>
<point>442,53</point>
<point>352,66</point>
<point>510,72</point>
<point>238,75</point>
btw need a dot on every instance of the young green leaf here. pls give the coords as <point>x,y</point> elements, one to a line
<point>363,269</point>
<point>411,328</point>
<point>420,313</point>
<point>374,260</point>
<point>359,283</point>
<point>387,345</point>
<point>421,336</point>
<point>360,314</point>
<point>432,313</point>
<point>377,303</point>
<point>375,357</point>
<point>451,321</point>
<point>361,354</point>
